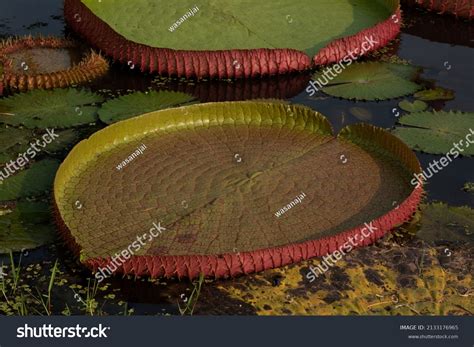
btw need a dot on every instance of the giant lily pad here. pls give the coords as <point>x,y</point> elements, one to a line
<point>230,182</point>
<point>188,38</point>
<point>438,132</point>
<point>369,81</point>
<point>27,226</point>
<point>58,108</point>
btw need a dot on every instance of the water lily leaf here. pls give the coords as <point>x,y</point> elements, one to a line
<point>58,108</point>
<point>435,94</point>
<point>186,25</point>
<point>262,158</point>
<point>188,39</point>
<point>12,141</point>
<point>26,227</point>
<point>370,81</point>
<point>65,139</point>
<point>33,181</point>
<point>436,132</point>
<point>9,137</point>
<point>18,141</point>
<point>415,106</point>
<point>134,104</point>
<point>442,222</point>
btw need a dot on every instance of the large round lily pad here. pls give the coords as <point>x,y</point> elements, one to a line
<point>231,38</point>
<point>238,186</point>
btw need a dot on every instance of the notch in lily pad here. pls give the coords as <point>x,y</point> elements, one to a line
<point>415,106</point>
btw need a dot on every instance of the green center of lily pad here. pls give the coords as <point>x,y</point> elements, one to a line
<point>305,25</point>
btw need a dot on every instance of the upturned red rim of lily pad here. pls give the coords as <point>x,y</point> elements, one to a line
<point>116,205</point>
<point>221,63</point>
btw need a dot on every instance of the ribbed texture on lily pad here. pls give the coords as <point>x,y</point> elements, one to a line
<point>220,64</point>
<point>383,33</point>
<point>379,143</point>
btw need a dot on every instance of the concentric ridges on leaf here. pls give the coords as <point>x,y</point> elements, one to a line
<point>274,114</point>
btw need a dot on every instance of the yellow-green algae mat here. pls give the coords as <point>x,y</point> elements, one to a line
<point>413,278</point>
<point>229,188</point>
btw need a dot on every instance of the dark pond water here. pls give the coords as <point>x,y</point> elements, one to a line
<point>440,45</point>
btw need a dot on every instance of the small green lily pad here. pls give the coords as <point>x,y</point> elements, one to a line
<point>369,81</point>
<point>12,141</point>
<point>27,226</point>
<point>415,106</point>
<point>19,141</point>
<point>57,108</point>
<point>437,132</point>
<point>138,103</point>
<point>442,222</point>
<point>437,93</point>
<point>65,139</point>
<point>34,181</point>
